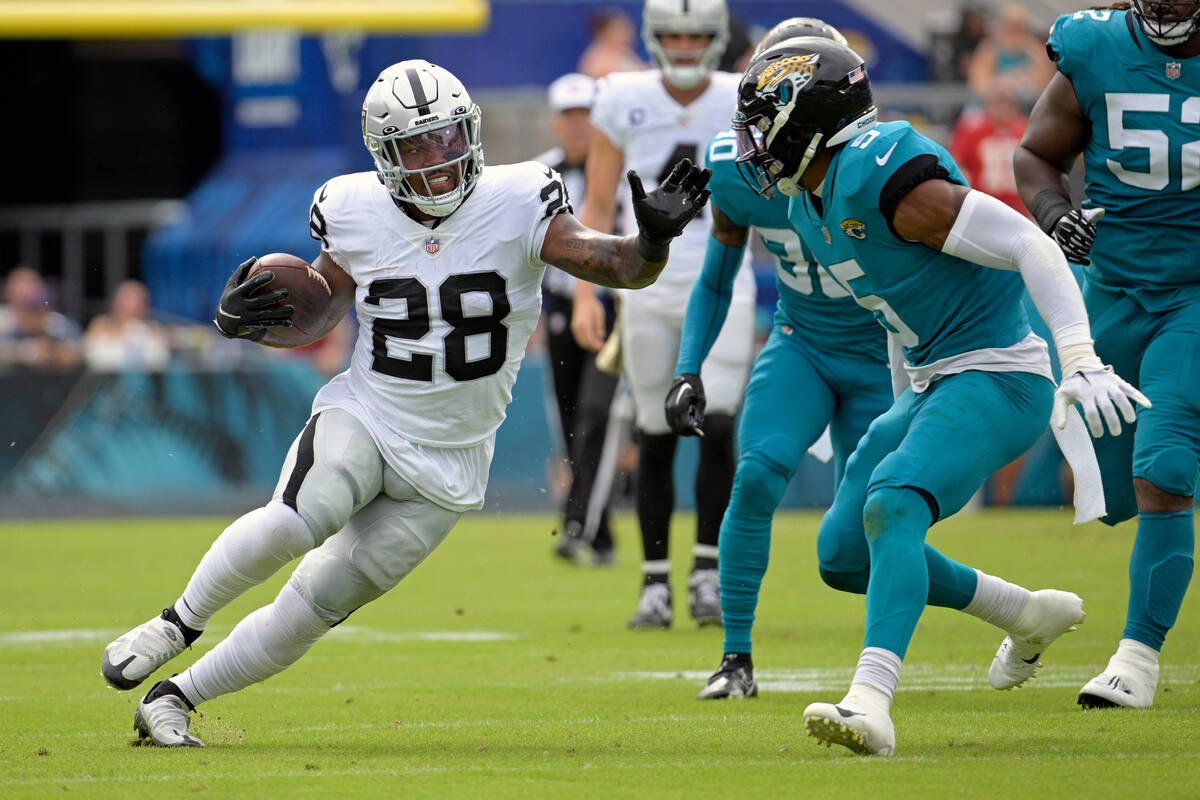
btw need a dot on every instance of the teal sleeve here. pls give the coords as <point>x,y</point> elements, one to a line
<point>708,305</point>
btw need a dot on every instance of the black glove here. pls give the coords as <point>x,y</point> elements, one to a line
<point>663,213</point>
<point>1074,233</point>
<point>685,405</point>
<point>244,314</point>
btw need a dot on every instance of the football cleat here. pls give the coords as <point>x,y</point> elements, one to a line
<point>858,722</point>
<point>570,545</point>
<point>132,657</point>
<point>704,597</point>
<point>734,678</point>
<point>1047,615</point>
<point>654,607</point>
<point>163,717</point>
<point>1129,681</point>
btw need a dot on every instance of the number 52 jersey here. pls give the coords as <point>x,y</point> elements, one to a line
<point>1142,160</point>
<point>444,313</point>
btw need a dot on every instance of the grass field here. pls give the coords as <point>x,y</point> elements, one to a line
<point>494,671</point>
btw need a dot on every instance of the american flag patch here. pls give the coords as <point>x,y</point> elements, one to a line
<point>857,74</point>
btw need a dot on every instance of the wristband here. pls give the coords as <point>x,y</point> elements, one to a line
<point>1049,206</point>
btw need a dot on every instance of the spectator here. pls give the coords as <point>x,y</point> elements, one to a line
<point>32,333</point>
<point>1011,51</point>
<point>126,337</point>
<point>611,48</point>
<point>972,28</point>
<point>983,142</point>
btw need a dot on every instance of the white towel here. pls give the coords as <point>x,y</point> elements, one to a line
<point>1076,445</point>
<point>822,448</point>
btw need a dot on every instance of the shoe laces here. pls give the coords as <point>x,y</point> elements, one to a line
<point>656,598</point>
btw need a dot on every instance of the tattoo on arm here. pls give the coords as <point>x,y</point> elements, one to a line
<point>596,257</point>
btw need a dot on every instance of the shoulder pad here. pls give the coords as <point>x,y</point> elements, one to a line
<point>1075,37</point>
<point>874,154</point>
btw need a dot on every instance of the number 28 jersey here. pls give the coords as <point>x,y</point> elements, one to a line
<point>653,132</point>
<point>1142,159</point>
<point>444,313</point>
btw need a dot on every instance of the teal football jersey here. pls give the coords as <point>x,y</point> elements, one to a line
<point>1142,162</point>
<point>936,305</point>
<point>810,300</point>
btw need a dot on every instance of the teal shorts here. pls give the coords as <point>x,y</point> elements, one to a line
<point>1159,352</point>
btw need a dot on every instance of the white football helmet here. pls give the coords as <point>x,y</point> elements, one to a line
<point>422,129</point>
<point>709,17</point>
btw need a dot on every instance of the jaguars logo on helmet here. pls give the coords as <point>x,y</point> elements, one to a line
<point>827,102</point>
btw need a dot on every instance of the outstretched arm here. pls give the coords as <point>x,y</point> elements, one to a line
<point>604,163</point>
<point>630,262</point>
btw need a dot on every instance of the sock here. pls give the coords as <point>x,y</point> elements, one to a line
<point>655,572</point>
<point>247,553</point>
<point>704,556</point>
<point>997,601</point>
<point>714,481</point>
<point>263,644</point>
<point>878,670</point>
<point>655,493</point>
<point>745,546</point>
<point>1160,569</point>
<point>189,634</point>
<point>951,584</point>
<point>895,522</point>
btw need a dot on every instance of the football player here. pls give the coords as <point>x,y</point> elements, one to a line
<point>1135,125</point>
<point>941,266</point>
<point>442,260</point>
<point>649,121</point>
<point>825,363</point>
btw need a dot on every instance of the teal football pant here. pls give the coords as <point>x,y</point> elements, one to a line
<point>794,392</point>
<point>918,463</point>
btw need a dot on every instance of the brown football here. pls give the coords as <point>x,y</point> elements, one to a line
<point>307,291</point>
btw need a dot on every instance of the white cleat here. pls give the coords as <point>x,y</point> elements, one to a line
<point>1048,615</point>
<point>857,723</point>
<point>163,719</point>
<point>132,657</point>
<point>654,608</point>
<point>1129,681</point>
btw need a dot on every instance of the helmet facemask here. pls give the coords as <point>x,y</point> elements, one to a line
<point>1167,22</point>
<point>416,162</point>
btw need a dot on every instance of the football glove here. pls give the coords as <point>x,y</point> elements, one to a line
<point>663,213</point>
<point>1075,231</point>
<point>1100,393</point>
<point>244,314</point>
<point>685,405</point>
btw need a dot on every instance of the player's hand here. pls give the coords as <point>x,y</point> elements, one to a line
<point>1100,392</point>
<point>243,312</point>
<point>588,322</point>
<point>685,405</point>
<point>1075,231</point>
<point>663,213</point>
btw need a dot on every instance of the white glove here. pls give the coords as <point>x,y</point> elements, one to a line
<point>1099,392</point>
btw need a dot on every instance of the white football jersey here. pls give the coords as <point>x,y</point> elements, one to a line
<point>444,315</point>
<point>653,132</point>
<point>556,280</point>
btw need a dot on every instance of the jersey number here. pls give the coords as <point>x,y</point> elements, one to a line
<point>885,315</point>
<point>419,366</point>
<point>1156,176</point>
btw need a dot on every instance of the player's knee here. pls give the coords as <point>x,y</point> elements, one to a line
<point>335,594</point>
<point>841,547</point>
<point>326,502</point>
<point>888,511</point>
<point>1169,479</point>
<point>759,482</point>
<point>854,582</point>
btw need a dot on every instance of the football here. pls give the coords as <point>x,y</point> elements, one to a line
<point>307,291</point>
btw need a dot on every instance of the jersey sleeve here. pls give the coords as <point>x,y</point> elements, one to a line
<point>547,194</point>
<point>726,182</point>
<point>1072,42</point>
<point>327,218</point>
<point>606,111</point>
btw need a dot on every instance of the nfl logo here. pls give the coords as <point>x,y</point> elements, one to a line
<point>1173,70</point>
<point>432,244</point>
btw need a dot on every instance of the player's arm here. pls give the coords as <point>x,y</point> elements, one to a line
<point>603,177</point>
<point>634,261</point>
<point>1057,133</point>
<point>979,228</point>
<point>707,308</point>
<point>246,312</point>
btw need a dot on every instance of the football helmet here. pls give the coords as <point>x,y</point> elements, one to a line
<point>422,130</point>
<point>798,26</point>
<point>1167,22</point>
<point>710,17</point>
<point>796,98</point>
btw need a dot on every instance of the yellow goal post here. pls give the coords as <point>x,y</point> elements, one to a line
<point>126,19</point>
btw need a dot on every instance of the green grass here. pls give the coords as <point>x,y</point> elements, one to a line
<point>568,703</point>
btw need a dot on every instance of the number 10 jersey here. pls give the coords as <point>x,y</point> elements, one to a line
<point>444,316</point>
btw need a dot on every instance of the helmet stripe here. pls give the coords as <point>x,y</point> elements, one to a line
<point>414,81</point>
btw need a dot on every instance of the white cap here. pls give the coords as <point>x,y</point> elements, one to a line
<point>572,90</point>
